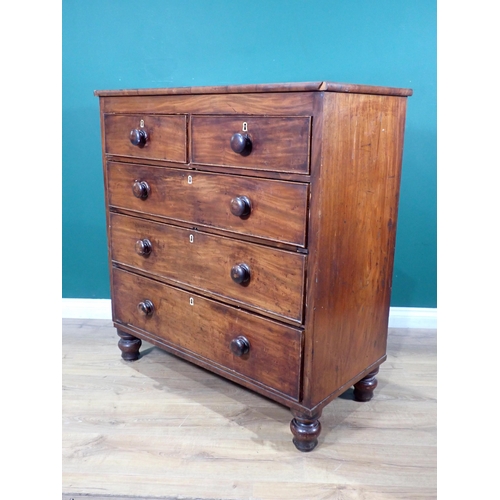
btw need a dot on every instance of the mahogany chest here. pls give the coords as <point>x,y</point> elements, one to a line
<point>251,231</point>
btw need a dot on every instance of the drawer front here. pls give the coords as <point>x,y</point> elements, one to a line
<point>207,328</point>
<point>278,208</point>
<point>275,143</point>
<point>273,279</point>
<point>165,136</point>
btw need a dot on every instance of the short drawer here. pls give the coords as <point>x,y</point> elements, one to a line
<point>157,137</point>
<point>268,279</point>
<point>268,142</point>
<point>277,210</point>
<point>211,330</point>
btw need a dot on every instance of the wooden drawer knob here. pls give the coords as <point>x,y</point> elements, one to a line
<point>138,137</point>
<point>241,144</point>
<point>143,247</point>
<point>146,307</point>
<point>240,346</point>
<point>141,189</point>
<point>241,206</point>
<point>240,273</point>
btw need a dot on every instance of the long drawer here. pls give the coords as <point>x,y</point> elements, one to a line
<point>267,279</point>
<point>261,350</point>
<point>277,210</point>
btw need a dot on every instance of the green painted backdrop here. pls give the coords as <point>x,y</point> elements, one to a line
<point>111,44</point>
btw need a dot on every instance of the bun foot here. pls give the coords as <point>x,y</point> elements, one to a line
<point>305,431</point>
<point>363,390</point>
<point>129,346</point>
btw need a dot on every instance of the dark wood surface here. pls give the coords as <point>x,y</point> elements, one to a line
<point>279,209</point>
<point>204,261</point>
<point>278,143</point>
<point>306,430</point>
<point>292,216</point>
<point>295,104</point>
<point>166,136</point>
<point>363,390</point>
<point>129,345</point>
<point>269,87</point>
<point>351,248</point>
<point>207,328</point>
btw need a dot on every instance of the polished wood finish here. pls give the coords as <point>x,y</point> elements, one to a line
<point>161,427</point>
<point>240,346</point>
<point>240,206</point>
<point>272,143</point>
<point>139,137</point>
<point>280,214</point>
<point>166,136</point>
<point>241,144</point>
<point>351,248</point>
<point>295,104</point>
<point>129,345</point>
<point>240,274</point>
<point>279,209</point>
<point>363,390</point>
<point>206,328</point>
<point>143,247</point>
<point>140,189</point>
<point>306,430</point>
<point>263,87</point>
<point>275,281</point>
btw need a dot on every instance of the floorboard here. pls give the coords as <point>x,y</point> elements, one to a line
<point>161,428</point>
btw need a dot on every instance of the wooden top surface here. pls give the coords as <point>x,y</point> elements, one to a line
<point>267,87</point>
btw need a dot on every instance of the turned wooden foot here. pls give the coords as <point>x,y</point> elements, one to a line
<point>129,346</point>
<point>363,390</point>
<point>305,431</point>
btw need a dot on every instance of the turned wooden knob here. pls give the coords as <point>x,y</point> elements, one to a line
<point>240,273</point>
<point>138,137</point>
<point>241,144</point>
<point>146,307</point>
<point>240,346</point>
<point>141,189</point>
<point>240,206</point>
<point>143,247</point>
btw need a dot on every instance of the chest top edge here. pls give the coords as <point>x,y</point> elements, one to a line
<point>259,88</point>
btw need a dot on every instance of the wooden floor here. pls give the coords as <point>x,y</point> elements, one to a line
<point>164,429</point>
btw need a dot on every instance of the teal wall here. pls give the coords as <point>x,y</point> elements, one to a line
<point>128,44</point>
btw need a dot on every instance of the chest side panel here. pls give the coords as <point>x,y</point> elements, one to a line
<point>354,204</point>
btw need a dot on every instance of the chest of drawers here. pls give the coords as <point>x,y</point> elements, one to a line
<point>251,231</point>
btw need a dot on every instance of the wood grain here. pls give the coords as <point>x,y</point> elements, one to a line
<point>206,328</point>
<point>263,87</point>
<point>351,246</point>
<point>279,143</point>
<point>204,261</point>
<point>216,89</point>
<point>163,428</point>
<point>296,103</point>
<point>278,208</point>
<point>167,136</point>
<point>340,148</point>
